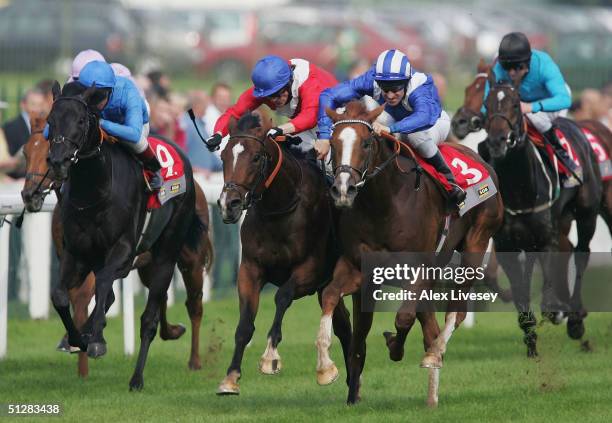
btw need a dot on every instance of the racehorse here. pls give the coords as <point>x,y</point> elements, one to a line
<point>103,213</point>
<point>383,211</point>
<point>534,220</point>
<point>469,119</point>
<point>286,235</point>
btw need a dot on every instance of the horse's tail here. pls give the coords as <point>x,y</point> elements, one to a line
<point>197,239</point>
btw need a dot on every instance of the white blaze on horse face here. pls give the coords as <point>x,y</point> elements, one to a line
<point>500,96</point>
<point>348,136</point>
<point>236,150</point>
<point>222,202</point>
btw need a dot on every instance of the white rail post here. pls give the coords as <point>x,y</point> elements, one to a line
<point>4,265</point>
<point>36,249</point>
<point>127,285</point>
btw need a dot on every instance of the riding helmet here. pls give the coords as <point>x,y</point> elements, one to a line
<point>392,65</point>
<point>82,59</point>
<point>99,73</point>
<point>514,48</point>
<point>270,75</point>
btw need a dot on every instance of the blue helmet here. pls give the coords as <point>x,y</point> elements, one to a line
<point>392,65</point>
<point>270,74</point>
<point>99,73</point>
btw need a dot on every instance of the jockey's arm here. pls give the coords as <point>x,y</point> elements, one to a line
<point>307,117</point>
<point>423,107</point>
<point>131,129</point>
<point>340,95</point>
<point>247,102</point>
<point>555,84</point>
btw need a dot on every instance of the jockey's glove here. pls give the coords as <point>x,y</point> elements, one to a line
<point>274,132</point>
<point>213,142</point>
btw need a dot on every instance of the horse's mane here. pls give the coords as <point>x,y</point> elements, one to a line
<point>248,121</point>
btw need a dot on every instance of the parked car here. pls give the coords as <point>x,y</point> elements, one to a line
<point>35,34</point>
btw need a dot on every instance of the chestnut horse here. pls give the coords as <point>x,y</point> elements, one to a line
<point>39,182</point>
<point>383,211</point>
<point>286,235</point>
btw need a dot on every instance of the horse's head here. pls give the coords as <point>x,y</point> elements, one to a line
<point>246,165</point>
<point>353,149</point>
<point>468,118</point>
<point>504,118</point>
<point>37,179</point>
<point>72,124</point>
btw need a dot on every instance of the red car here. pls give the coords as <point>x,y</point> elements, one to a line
<point>332,43</point>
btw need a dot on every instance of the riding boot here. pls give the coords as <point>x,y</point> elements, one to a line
<point>570,165</point>
<point>150,163</point>
<point>457,194</point>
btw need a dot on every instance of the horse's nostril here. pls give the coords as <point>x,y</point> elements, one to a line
<point>462,121</point>
<point>335,193</point>
<point>234,203</point>
<point>351,190</point>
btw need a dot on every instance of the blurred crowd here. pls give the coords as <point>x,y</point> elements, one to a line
<point>594,104</point>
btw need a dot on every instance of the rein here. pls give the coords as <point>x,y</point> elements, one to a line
<point>250,197</point>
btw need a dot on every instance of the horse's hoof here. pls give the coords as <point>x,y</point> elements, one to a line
<point>395,354</point>
<point>327,376</point>
<point>585,346</point>
<point>532,352</point>
<point>228,387</point>
<point>431,361</point>
<point>575,329</point>
<point>137,383</point>
<point>270,367</point>
<point>195,364</point>
<point>172,332</point>
<point>63,345</point>
<point>555,317</point>
<point>96,349</point>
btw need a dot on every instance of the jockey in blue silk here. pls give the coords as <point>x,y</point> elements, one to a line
<point>412,106</point>
<point>543,91</point>
<point>124,113</point>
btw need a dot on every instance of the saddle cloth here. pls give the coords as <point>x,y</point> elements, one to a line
<point>173,173</point>
<point>603,158</point>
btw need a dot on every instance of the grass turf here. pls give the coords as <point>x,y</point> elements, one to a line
<point>486,375</point>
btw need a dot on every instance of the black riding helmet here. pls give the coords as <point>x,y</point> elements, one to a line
<point>514,50</point>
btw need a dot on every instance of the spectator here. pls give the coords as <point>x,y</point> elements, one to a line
<point>359,67</point>
<point>441,85</point>
<point>160,83</point>
<point>221,100</point>
<point>17,131</point>
<point>45,86</point>
<point>202,160</point>
<point>6,161</point>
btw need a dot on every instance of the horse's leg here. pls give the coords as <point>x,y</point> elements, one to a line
<point>270,362</point>
<point>346,281</point>
<point>585,225</point>
<point>158,275</point>
<point>72,274</point>
<point>168,331</point>
<point>249,286</point>
<point>192,269</point>
<point>342,328</point>
<point>404,319</point>
<point>80,298</point>
<point>362,322</point>
<point>491,279</point>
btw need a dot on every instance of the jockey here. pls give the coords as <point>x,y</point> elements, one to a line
<point>80,60</point>
<point>543,91</point>
<point>412,109</point>
<point>291,88</point>
<point>124,113</point>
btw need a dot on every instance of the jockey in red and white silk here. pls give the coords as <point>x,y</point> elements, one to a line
<point>291,88</point>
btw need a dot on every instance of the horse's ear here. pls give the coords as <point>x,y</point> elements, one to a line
<point>373,115</point>
<point>491,78</point>
<point>233,125</point>
<point>88,93</point>
<point>482,66</point>
<point>56,90</point>
<point>333,115</point>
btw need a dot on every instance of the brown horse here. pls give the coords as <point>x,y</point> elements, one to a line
<point>39,182</point>
<point>384,212</point>
<point>286,235</point>
<point>469,119</point>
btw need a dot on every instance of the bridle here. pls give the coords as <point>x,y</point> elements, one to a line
<point>363,174</point>
<point>473,117</point>
<point>261,183</point>
<point>517,132</point>
<point>80,145</point>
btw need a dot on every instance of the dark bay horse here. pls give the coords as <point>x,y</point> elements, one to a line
<point>103,212</point>
<point>469,119</point>
<point>382,211</point>
<point>537,221</point>
<point>286,235</point>
<point>40,181</point>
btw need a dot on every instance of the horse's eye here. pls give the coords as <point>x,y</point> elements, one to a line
<point>367,142</point>
<point>256,158</point>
